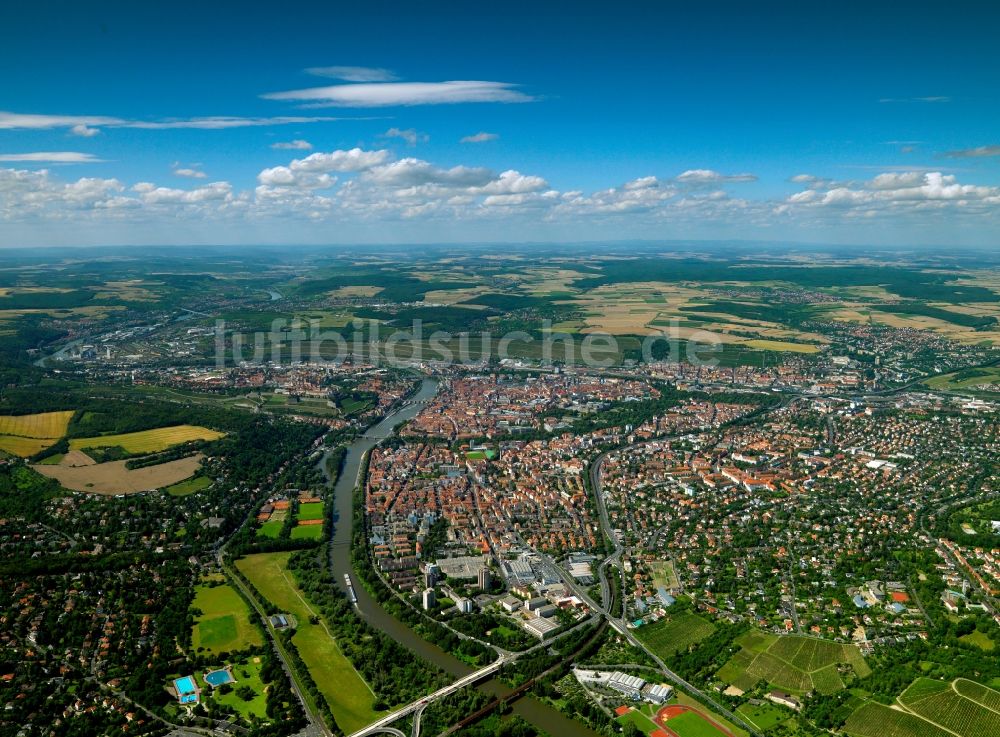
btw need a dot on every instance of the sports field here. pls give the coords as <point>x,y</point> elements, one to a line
<point>148,441</point>
<point>310,510</point>
<point>669,636</point>
<point>685,721</point>
<point>307,532</point>
<point>224,623</point>
<point>347,693</point>
<point>792,663</point>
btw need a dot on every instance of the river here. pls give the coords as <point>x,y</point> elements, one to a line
<point>531,709</point>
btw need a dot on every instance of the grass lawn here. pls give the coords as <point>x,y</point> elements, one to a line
<point>979,639</point>
<point>271,528</point>
<point>764,717</point>
<point>246,673</point>
<point>147,441</point>
<point>346,692</point>
<point>52,460</point>
<point>311,510</point>
<point>190,486</point>
<point>307,532</point>
<point>224,624</point>
<point>644,723</point>
<point>689,724</point>
<point>683,698</point>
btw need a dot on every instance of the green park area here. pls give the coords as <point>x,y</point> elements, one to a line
<point>345,691</point>
<point>223,624</point>
<point>246,695</point>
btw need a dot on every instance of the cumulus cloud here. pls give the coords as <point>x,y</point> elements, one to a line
<point>410,135</point>
<point>52,157</point>
<point>189,172</point>
<point>313,171</point>
<point>354,74</point>
<point>387,94</point>
<point>897,194</point>
<point>360,187</point>
<point>84,131</point>
<point>710,177</point>
<point>297,145</point>
<point>481,137</point>
<point>969,153</point>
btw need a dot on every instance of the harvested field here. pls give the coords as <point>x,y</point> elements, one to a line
<point>43,425</point>
<point>148,441</point>
<point>114,478</point>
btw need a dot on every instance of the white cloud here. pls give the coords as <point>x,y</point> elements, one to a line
<point>928,98</point>
<point>708,176</point>
<point>354,74</point>
<point>87,125</point>
<point>481,137</point>
<point>313,171</point>
<point>297,145</point>
<point>53,157</point>
<point>410,135</point>
<point>222,122</point>
<point>84,131</point>
<point>189,172</point>
<point>403,93</point>
<point>897,194</point>
<point>967,153</point>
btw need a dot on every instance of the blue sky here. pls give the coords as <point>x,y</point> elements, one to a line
<point>163,122</point>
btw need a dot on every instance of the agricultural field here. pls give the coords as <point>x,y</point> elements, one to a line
<point>669,636</point>
<point>792,663</point>
<point>349,696</point>
<point>147,441</point>
<point>224,623</point>
<point>963,707</point>
<point>26,435</point>
<point>967,380</point>
<point>877,720</point>
<point>114,478</point>
<point>43,425</point>
<point>664,575</point>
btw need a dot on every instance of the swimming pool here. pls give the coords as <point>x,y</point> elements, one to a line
<point>216,678</point>
<point>187,690</point>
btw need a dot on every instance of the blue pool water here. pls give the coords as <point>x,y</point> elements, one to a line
<point>218,677</point>
<point>187,690</point>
